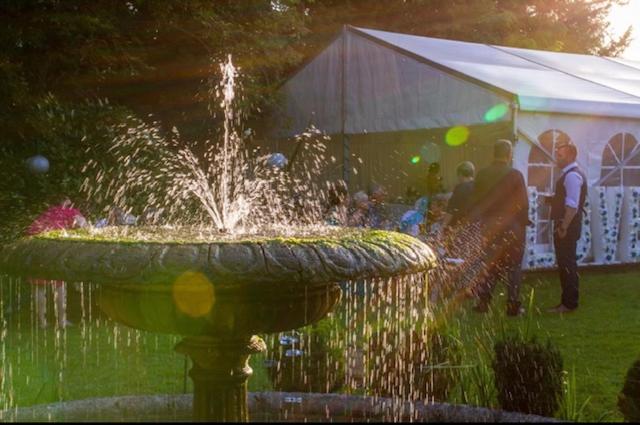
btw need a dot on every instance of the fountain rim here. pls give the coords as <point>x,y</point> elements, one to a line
<point>333,233</point>
<point>308,260</point>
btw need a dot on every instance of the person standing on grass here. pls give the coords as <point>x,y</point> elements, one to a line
<point>458,204</point>
<point>567,204</point>
<point>500,206</point>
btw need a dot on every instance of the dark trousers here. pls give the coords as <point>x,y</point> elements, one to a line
<point>503,261</point>
<point>568,265</point>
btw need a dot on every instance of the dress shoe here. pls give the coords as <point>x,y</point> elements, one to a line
<point>516,312</point>
<point>514,308</point>
<point>560,308</point>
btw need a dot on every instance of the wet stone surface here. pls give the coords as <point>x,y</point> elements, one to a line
<point>306,260</point>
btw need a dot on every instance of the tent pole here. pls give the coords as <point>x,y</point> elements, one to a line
<point>514,117</point>
<point>346,148</point>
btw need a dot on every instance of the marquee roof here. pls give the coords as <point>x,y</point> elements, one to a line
<point>542,80</point>
<point>377,81</point>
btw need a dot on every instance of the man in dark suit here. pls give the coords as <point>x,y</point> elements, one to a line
<point>566,212</point>
<point>500,206</point>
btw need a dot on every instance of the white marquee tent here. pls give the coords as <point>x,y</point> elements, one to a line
<point>384,94</point>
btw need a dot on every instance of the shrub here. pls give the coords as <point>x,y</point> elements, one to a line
<point>528,376</point>
<point>629,397</point>
<point>62,132</point>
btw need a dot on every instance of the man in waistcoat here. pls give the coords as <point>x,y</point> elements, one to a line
<point>499,204</point>
<point>566,212</point>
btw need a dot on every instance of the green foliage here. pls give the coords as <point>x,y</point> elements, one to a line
<point>475,383</point>
<point>151,55</point>
<point>62,132</point>
<point>439,369</point>
<point>629,397</point>
<point>578,26</point>
<point>570,410</point>
<point>528,375</point>
<point>595,339</point>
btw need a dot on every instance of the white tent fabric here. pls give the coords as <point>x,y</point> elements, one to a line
<point>628,62</point>
<point>590,134</point>
<point>313,95</point>
<point>397,82</point>
<point>539,87</point>
<point>597,69</point>
<point>384,90</point>
<point>388,91</point>
<point>612,225</point>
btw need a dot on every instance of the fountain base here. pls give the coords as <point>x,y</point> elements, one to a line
<point>265,406</point>
<point>219,373</point>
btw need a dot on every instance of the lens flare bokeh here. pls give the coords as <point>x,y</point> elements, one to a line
<point>457,135</point>
<point>193,294</point>
<point>496,112</point>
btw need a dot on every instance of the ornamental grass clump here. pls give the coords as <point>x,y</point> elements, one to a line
<point>629,397</point>
<point>528,376</point>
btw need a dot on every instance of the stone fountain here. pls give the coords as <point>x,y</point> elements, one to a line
<point>220,290</point>
<point>218,294</point>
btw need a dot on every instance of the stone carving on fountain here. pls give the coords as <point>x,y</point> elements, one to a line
<point>356,255</point>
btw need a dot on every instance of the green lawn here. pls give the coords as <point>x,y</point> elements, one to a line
<point>599,342</point>
<point>102,362</point>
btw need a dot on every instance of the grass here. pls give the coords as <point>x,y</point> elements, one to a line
<point>93,358</point>
<point>598,342</point>
<point>142,364</point>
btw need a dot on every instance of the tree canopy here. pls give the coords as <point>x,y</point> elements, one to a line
<point>577,26</point>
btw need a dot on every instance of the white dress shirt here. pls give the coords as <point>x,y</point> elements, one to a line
<point>572,186</point>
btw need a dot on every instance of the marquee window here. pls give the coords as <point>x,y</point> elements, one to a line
<point>543,173</point>
<point>621,161</point>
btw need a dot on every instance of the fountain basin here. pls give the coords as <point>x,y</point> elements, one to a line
<point>244,286</point>
<point>217,293</point>
<point>331,257</point>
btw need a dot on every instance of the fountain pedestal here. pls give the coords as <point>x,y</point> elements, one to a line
<point>220,372</point>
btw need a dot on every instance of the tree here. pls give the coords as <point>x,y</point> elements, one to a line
<point>147,56</point>
<point>578,26</point>
<point>151,55</point>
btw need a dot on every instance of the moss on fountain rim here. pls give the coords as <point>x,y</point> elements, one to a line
<point>195,235</point>
<point>331,256</point>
